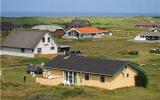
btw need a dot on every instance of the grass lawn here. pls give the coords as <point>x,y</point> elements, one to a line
<point>108,48</point>
<point>13,68</point>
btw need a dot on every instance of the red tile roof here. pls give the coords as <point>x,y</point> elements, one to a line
<point>87,30</point>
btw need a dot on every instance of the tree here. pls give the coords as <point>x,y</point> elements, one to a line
<point>141,80</point>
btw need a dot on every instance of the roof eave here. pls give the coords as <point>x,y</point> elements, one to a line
<point>79,71</point>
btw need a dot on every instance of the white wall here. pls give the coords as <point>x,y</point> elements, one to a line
<point>138,37</point>
<point>72,35</point>
<point>16,52</point>
<point>46,46</point>
<point>91,36</point>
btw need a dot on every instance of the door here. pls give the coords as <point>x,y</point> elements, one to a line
<point>39,50</point>
<point>70,77</point>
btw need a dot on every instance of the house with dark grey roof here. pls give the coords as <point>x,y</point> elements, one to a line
<point>86,71</point>
<point>28,43</point>
<point>78,23</point>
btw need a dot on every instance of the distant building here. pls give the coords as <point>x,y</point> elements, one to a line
<point>78,23</point>
<point>28,43</point>
<point>84,71</point>
<point>148,36</point>
<point>155,29</point>
<point>84,32</point>
<point>146,25</point>
<point>55,30</point>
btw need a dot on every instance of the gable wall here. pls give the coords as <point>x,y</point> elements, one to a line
<point>71,34</point>
<point>46,46</point>
<point>121,79</point>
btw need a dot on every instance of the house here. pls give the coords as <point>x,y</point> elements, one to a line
<point>147,25</point>
<point>55,30</point>
<point>155,29</point>
<point>29,43</point>
<point>84,32</point>
<point>85,71</point>
<point>78,23</point>
<point>148,36</point>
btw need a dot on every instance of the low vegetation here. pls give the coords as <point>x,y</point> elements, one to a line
<point>141,80</point>
<point>13,68</point>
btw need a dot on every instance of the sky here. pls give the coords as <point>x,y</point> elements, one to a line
<point>107,6</point>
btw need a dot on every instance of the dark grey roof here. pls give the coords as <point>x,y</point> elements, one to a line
<point>85,64</point>
<point>78,23</point>
<point>23,38</point>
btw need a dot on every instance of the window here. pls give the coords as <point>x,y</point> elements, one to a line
<point>52,48</point>
<point>142,36</point>
<point>45,44</point>
<point>86,76</point>
<point>39,50</point>
<point>125,67</point>
<point>43,39</point>
<point>102,78</point>
<point>22,50</point>
<point>127,74</point>
<point>48,39</point>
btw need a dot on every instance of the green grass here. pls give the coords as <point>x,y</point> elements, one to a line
<point>105,22</point>
<point>21,61</point>
<point>13,87</point>
<point>102,48</point>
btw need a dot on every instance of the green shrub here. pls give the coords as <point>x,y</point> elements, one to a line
<point>141,80</point>
<point>133,52</point>
<point>126,52</point>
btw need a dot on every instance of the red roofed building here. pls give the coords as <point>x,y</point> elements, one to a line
<point>84,32</point>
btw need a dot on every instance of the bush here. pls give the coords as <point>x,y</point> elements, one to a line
<point>141,80</point>
<point>133,52</point>
<point>125,52</point>
<point>156,51</point>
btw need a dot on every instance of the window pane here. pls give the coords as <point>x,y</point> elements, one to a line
<point>127,74</point>
<point>102,78</point>
<point>43,39</point>
<point>52,48</point>
<point>86,76</point>
<point>22,50</point>
<point>39,50</point>
<point>48,39</point>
